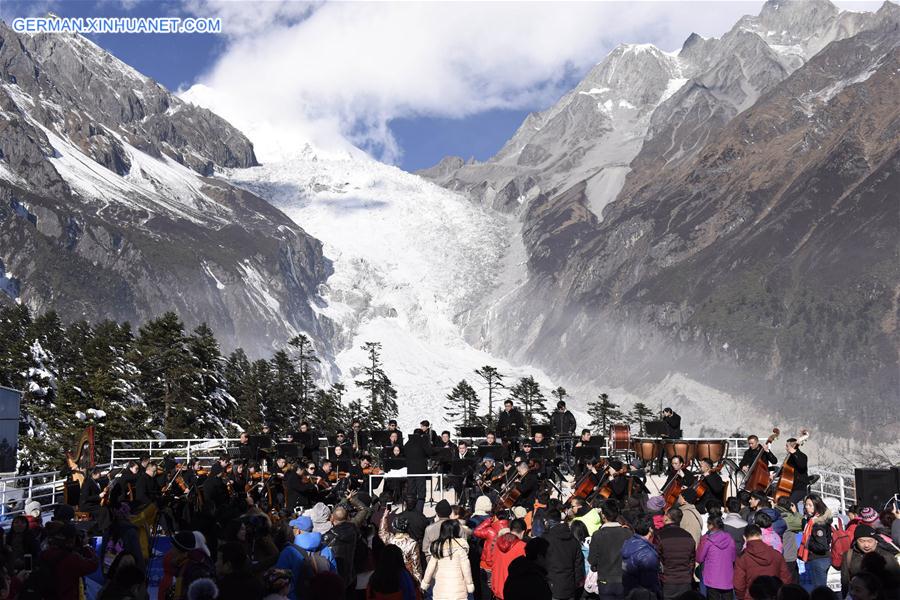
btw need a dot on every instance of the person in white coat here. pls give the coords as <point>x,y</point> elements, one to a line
<point>448,566</point>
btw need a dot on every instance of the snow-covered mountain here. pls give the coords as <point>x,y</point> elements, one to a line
<point>109,207</point>
<point>702,252</point>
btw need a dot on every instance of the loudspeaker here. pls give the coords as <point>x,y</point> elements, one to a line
<point>875,487</point>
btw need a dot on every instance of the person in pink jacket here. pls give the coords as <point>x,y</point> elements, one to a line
<point>717,553</point>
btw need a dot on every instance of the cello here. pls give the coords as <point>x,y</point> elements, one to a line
<point>784,486</point>
<point>606,490</point>
<point>590,480</point>
<point>672,491</point>
<point>700,486</point>
<point>757,478</point>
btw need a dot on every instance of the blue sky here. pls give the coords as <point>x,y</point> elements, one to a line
<point>469,74</point>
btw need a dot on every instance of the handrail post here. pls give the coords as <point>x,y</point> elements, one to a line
<point>843,497</point>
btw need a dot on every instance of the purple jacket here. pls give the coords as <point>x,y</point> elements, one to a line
<point>717,553</point>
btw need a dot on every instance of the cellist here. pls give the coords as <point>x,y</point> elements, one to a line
<point>527,485</point>
<point>678,469</point>
<point>713,483</point>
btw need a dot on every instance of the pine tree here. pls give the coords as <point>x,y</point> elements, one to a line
<point>533,402</point>
<point>305,356</point>
<point>328,413</point>
<point>216,408</point>
<point>281,405</point>
<point>168,370</point>
<point>560,394</point>
<point>239,380</point>
<point>641,413</point>
<point>603,412</point>
<point>381,394</point>
<point>462,405</point>
<point>493,379</point>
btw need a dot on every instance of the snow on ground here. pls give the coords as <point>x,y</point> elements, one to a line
<point>410,260</point>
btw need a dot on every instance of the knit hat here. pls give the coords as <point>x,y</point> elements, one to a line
<point>184,541</point>
<point>864,531</point>
<point>868,515</point>
<point>483,505</point>
<point>401,524</point>
<point>33,508</point>
<point>442,509</point>
<point>656,503</point>
<point>302,523</point>
<point>519,512</point>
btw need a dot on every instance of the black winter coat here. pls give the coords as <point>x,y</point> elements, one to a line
<point>342,540</point>
<point>565,561</point>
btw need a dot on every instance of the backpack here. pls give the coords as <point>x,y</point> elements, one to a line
<point>313,564</point>
<point>819,539</point>
<point>841,541</point>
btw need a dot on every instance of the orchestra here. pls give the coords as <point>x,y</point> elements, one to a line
<point>285,476</point>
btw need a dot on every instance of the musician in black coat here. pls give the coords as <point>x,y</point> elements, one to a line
<point>146,489</point>
<point>417,450</point>
<point>753,449</point>
<point>618,482</point>
<point>563,421</point>
<point>89,497</point>
<point>510,422</point>
<point>677,468</point>
<point>799,461</point>
<point>310,441</point>
<point>528,486</point>
<point>715,487</point>
<point>299,493</point>
<point>673,423</point>
<point>215,493</point>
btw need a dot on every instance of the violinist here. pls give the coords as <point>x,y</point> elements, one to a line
<point>146,489</point>
<point>713,483</point>
<point>460,470</point>
<point>582,463</point>
<point>678,469</point>
<point>490,476</point>
<point>538,441</point>
<point>444,451</point>
<point>490,441</point>
<point>526,452</point>
<point>239,476</point>
<point>527,485</point>
<point>215,492</point>
<point>754,448</point>
<point>339,454</point>
<point>300,487</point>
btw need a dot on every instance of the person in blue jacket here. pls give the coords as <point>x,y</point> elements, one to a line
<point>640,560</point>
<point>307,546</point>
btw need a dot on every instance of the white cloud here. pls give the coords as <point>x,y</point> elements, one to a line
<point>343,70</point>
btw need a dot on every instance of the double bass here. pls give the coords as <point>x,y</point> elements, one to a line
<point>757,478</point>
<point>785,484</point>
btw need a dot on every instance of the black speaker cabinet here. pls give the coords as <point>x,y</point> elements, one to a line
<point>875,487</point>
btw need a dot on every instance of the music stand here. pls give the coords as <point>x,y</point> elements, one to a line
<point>498,452</point>
<point>287,450</point>
<point>381,438</point>
<point>547,430</point>
<point>656,428</point>
<point>445,455</point>
<point>362,437</point>
<point>341,466</point>
<point>332,440</point>
<point>597,441</point>
<point>471,432</point>
<point>392,464</point>
<point>459,468</point>
<point>589,453</point>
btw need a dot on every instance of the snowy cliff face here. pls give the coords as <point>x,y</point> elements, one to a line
<point>410,260</point>
<point>745,244</point>
<point>109,207</point>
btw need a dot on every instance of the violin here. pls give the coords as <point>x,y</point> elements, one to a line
<point>335,475</point>
<point>372,471</point>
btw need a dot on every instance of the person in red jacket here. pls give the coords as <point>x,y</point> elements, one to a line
<point>757,559</point>
<point>70,559</point>
<point>488,530</point>
<point>509,546</point>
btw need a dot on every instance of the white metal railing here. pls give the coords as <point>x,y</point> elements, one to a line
<point>45,488</point>
<point>839,486</point>
<point>122,451</point>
